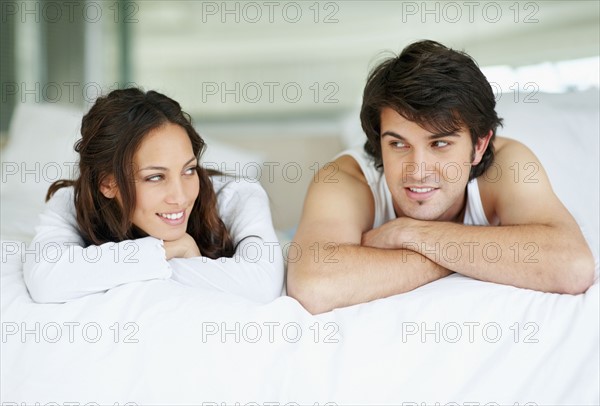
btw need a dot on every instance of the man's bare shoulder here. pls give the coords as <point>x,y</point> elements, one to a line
<point>509,148</point>
<point>339,205</point>
<point>512,160</point>
<point>348,166</point>
<point>515,175</point>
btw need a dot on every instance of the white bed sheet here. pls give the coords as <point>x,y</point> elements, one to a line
<point>383,352</point>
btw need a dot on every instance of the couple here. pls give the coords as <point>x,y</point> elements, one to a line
<point>143,208</point>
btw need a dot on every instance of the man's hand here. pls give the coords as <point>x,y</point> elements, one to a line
<point>184,247</point>
<point>391,235</point>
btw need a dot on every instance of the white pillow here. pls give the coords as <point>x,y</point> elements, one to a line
<point>40,147</point>
<point>563,131</point>
<point>231,160</point>
<point>39,151</point>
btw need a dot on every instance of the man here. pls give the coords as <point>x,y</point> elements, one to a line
<point>409,209</point>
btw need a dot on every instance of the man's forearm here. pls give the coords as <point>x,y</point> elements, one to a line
<point>537,257</point>
<point>326,276</point>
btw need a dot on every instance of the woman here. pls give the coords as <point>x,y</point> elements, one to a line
<point>142,208</point>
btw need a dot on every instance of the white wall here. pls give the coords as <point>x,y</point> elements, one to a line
<point>197,49</point>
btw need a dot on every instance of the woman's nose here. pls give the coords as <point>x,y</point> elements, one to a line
<point>176,193</point>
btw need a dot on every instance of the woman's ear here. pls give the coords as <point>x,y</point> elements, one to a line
<point>480,148</point>
<point>108,187</point>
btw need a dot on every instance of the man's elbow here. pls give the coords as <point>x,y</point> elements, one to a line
<point>307,288</point>
<point>578,275</point>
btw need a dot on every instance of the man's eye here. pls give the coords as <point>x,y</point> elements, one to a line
<point>398,144</point>
<point>441,144</point>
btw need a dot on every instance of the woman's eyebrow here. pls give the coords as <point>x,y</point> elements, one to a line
<point>162,168</point>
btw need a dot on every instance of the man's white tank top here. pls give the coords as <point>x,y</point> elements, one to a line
<point>384,208</point>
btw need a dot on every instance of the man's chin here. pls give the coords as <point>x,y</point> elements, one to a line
<point>423,215</point>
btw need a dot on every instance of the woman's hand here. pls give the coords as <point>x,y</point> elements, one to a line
<point>184,247</point>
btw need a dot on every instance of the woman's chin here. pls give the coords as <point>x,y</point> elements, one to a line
<point>172,235</point>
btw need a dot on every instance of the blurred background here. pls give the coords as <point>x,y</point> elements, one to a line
<point>275,86</point>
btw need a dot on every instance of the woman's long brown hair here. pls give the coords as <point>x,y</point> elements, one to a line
<point>111,133</point>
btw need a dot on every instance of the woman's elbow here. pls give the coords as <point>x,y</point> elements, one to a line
<point>44,295</point>
<point>41,290</point>
<point>270,286</point>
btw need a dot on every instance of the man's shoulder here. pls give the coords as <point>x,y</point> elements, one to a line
<point>513,163</point>
<point>510,158</point>
<point>340,195</point>
<point>347,165</point>
<point>506,148</point>
<point>359,165</point>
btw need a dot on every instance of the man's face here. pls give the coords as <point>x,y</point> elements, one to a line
<point>426,173</point>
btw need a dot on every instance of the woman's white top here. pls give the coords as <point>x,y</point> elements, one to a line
<point>59,269</point>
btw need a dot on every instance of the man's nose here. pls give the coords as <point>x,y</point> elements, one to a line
<point>420,166</point>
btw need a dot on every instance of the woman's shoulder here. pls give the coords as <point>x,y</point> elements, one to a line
<point>60,209</point>
<point>63,199</point>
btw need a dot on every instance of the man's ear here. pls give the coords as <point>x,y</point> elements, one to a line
<point>108,187</point>
<point>480,148</point>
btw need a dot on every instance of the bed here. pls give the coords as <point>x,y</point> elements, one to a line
<point>456,341</point>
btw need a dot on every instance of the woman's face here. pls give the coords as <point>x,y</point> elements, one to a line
<point>166,182</point>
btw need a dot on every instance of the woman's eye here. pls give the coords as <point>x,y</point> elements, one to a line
<point>154,178</point>
<point>190,171</point>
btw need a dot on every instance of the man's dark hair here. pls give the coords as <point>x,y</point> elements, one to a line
<point>436,87</point>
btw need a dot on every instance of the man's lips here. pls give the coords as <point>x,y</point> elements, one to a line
<point>420,192</point>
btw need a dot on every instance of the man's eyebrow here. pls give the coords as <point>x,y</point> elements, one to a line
<point>393,134</point>
<point>162,168</point>
<point>442,135</point>
<point>431,137</point>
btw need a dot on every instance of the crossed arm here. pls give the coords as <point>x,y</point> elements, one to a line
<point>538,244</point>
